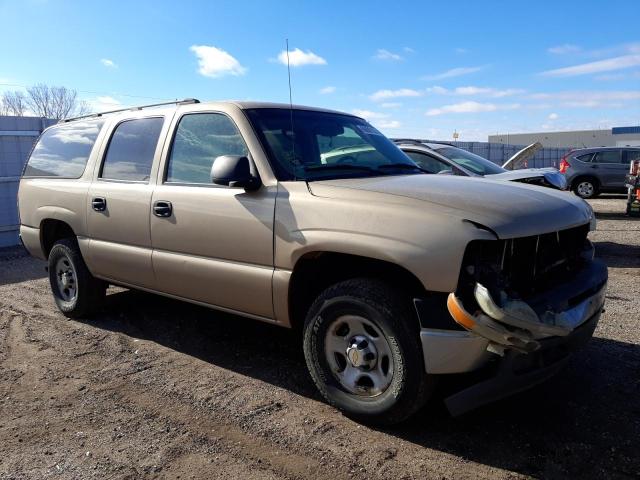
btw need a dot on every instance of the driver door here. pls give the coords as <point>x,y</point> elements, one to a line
<point>211,244</point>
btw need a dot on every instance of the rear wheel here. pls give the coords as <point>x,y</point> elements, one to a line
<point>362,348</point>
<point>586,187</point>
<point>76,292</point>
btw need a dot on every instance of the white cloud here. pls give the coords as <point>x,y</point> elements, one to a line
<point>402,92</point>
<point>476,91</point>
<point>616,63</point>
<point>586,95</point>
<point>391,105</point>
<point>455,72</point>
<point>553,116</point>
<point>409,50</point>
<point>298,58</point>
<point>327,90</point>
<point>388,124</point>
<point>471,107</point>
<point>368,114</point>
<point>382,54</point>
<point>214,62</point>
<point>108,63</point>
<point>564,49</point>
<point>461,51</point>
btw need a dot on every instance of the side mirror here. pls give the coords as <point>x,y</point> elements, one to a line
<point>234,171</point>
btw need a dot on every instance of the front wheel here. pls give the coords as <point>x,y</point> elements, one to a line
<point>362,348</point>
<point>76,292</point>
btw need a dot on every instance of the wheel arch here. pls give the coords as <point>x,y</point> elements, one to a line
<point>52,230</point>
<point>315,271</point>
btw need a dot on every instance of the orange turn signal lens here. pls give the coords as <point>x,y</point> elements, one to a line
<point>459,314</point>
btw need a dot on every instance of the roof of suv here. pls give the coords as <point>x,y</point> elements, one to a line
<point>243,105</point>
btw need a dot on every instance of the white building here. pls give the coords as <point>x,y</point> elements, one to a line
<point>614,137</point>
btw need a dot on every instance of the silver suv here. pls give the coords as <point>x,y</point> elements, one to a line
<point>312,219</point>
<point>590,171</point>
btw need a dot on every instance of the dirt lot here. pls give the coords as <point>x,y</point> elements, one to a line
<point>155,388</point>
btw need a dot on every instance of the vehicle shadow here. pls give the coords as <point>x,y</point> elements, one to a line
<point>583,422</point>
<point>618,255</point>
<point>14,268</point>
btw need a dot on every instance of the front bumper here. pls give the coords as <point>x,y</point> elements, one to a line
<point>516,371</point>
<point>511,350</point>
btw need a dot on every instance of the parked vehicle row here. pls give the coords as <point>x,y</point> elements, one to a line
<point>442,158</point>
<point>312,219</point>
<point>590,171</point>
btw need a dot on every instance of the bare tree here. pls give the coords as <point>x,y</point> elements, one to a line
<point>13,103</point>
<point>54,102</point>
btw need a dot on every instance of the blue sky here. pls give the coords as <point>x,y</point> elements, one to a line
<point>419,69</point>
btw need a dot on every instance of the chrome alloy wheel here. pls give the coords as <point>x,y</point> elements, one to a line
<point>66,279</point>
<point>359,355</point>
<point>585,189</point>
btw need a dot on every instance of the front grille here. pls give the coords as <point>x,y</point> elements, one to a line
<point>523,266</point>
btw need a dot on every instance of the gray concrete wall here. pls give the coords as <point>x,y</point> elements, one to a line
<point>575,139</point>
<point>17,136</point>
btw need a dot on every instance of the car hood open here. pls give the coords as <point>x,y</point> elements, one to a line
<point>509,209</point>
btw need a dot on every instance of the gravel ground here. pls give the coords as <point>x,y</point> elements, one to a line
<point>154,388</point>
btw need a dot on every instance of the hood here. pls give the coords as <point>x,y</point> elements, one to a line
<point>521,156</point>
<point>552,175</point>
<point>509,209</point>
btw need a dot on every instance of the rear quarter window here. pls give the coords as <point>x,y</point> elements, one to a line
<point>63,150</point>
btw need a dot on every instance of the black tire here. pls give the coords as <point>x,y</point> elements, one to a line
<point>590,192</point>
<point>89,291</point>
<point>409,388</point>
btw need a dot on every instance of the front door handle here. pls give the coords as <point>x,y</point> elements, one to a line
<point>595,166</point>
<point>99,204</point>
<point>162,208</point>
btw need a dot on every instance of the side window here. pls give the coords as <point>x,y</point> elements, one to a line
<point>631,156</point>
<point>428,162</point>
<point>585,158</point>
<point>199,139</point>
<point>607,156</point>
<point>63,150</point>
<point>131,149</point>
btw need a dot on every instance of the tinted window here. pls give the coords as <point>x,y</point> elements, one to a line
<point>427,162</point>
<point>131,150</point>
<point>632,155</point>
<point>199,139</point>
<point>607,156</point>
<point>585,158</point>
<point>63,150</point>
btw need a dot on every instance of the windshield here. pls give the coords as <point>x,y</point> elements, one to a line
<point>326,145</point>
<point>470,161</point>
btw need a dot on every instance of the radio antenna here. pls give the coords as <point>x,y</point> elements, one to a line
<point>293,142</point>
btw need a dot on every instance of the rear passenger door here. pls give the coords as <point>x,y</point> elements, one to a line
<point>119,202</point>
<point>211,243</point>
<point>609,168</point>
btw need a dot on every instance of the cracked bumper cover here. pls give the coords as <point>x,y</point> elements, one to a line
<point>570,314</point>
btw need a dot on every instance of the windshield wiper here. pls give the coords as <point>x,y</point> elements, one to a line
<point>404,166</point>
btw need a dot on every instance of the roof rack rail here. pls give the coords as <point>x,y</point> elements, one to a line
<point>140,107</point>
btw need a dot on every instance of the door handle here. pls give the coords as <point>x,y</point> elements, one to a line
<point>595,166</point>
<point>99,204</point>
<point>162,208</point>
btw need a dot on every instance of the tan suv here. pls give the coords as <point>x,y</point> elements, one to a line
<point>394,276</point>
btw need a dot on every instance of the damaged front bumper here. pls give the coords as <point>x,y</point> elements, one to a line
<point>500,335</point>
